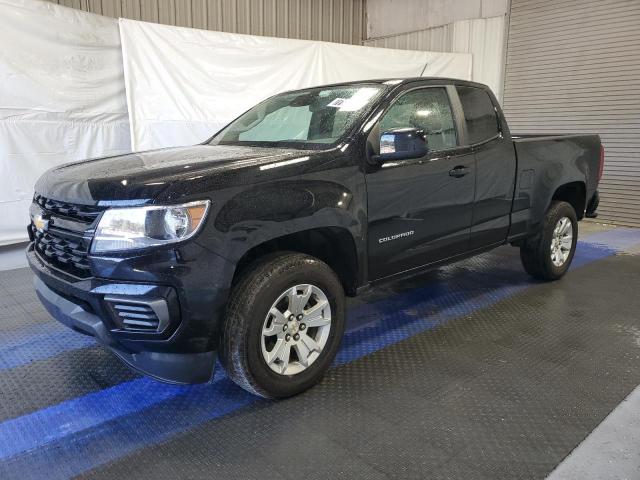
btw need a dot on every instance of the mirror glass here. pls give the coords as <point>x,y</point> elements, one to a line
<point>399,143</point>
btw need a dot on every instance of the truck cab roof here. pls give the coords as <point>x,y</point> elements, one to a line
<point>393,82</point>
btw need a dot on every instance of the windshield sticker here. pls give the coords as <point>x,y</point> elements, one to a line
<point>337,103</point>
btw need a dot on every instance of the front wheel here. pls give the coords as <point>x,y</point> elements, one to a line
<point>285,320</point>
<point>548,254</point>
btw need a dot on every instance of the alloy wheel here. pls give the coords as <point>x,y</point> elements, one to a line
<point>561,241</point>
<point>296,329</point>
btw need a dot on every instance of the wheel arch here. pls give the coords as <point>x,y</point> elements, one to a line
<point>333,245</point>
<point>575,194</point>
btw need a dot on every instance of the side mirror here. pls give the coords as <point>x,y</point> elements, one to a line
<point>401,144</point>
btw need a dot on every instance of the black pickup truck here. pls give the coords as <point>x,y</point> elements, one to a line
<point>243,248</point>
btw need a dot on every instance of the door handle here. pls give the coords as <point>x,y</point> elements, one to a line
<point>459,171</point>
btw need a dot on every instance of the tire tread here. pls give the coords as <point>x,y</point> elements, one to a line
<point>534,252</point>
<point>233,354</point>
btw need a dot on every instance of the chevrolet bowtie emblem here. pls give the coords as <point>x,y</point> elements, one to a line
<point>41,223</point>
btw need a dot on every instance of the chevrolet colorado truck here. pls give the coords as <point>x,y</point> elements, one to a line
<point>243,248</point>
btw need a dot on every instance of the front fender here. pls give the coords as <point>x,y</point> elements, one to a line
<point>264,212</point>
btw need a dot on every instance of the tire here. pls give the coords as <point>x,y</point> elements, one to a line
<point>244,346</point>
<point>536,252</point>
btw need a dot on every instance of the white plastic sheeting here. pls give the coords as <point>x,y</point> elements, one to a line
<point>184,84</point>
<point>62,98</point>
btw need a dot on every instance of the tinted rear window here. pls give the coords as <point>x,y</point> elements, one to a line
<point>479,114</point>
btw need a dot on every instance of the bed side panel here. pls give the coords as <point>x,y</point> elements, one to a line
<point>545,164</point>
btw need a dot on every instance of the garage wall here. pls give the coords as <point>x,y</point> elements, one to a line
<point>339,21</point>
<point>458,26</point>
<point>387,17</point>
<point>484,38</point>
<point>573,66</point>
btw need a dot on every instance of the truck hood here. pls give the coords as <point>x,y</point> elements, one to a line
<point>141,177</point>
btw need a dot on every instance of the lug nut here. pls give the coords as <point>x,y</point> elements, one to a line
<point>302,326</point>
<point>287,337</point>
<point>284,327</point>
<point>300,317</point>
<point>291,317</point>
<point>296,337</point>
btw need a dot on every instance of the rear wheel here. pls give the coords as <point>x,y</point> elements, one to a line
<point>548,254</point>
<point>284,324</point>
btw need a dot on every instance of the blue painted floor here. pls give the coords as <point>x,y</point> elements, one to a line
<point>78,434</point>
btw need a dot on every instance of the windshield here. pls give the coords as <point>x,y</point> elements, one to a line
<point>318,116</point>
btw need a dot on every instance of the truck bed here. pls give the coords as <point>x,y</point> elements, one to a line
<point>543,163</point>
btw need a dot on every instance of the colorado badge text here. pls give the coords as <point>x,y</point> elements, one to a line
<point>396,236</point>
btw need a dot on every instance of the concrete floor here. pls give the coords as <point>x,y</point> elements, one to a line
<point>611,451</point>
<point>12,256</point>
<point>471,371</point>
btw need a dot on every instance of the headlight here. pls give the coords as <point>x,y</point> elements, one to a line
<point>141,227</point>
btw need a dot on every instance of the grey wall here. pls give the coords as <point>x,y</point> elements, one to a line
<point>484,38</point>
<point>573,66</point>
<point>458,26</point>
<point>339,21</point>
<point>393,17</point>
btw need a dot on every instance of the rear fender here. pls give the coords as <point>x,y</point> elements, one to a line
<point>552,168</point>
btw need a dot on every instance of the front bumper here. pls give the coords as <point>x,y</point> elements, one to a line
<point>184,352</point>
<point>167,367</point>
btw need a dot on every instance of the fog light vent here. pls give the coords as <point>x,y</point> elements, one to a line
<point>139,315</point>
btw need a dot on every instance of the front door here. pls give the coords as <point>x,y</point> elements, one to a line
<point>420,209</point>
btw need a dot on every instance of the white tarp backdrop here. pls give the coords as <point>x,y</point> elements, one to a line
<point>62,98</point>
<point>64,74</point>
<point>184,84</point>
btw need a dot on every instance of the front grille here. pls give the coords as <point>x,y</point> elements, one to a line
<point>85,213</point>
<point>65,254</point>
<point>64,244</point>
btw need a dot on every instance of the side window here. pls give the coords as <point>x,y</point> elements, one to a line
<point>479,114</point>
<point>428,109</point>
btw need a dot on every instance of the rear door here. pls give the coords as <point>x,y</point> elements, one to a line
<point>420,209</point>
<point>495,167</point>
